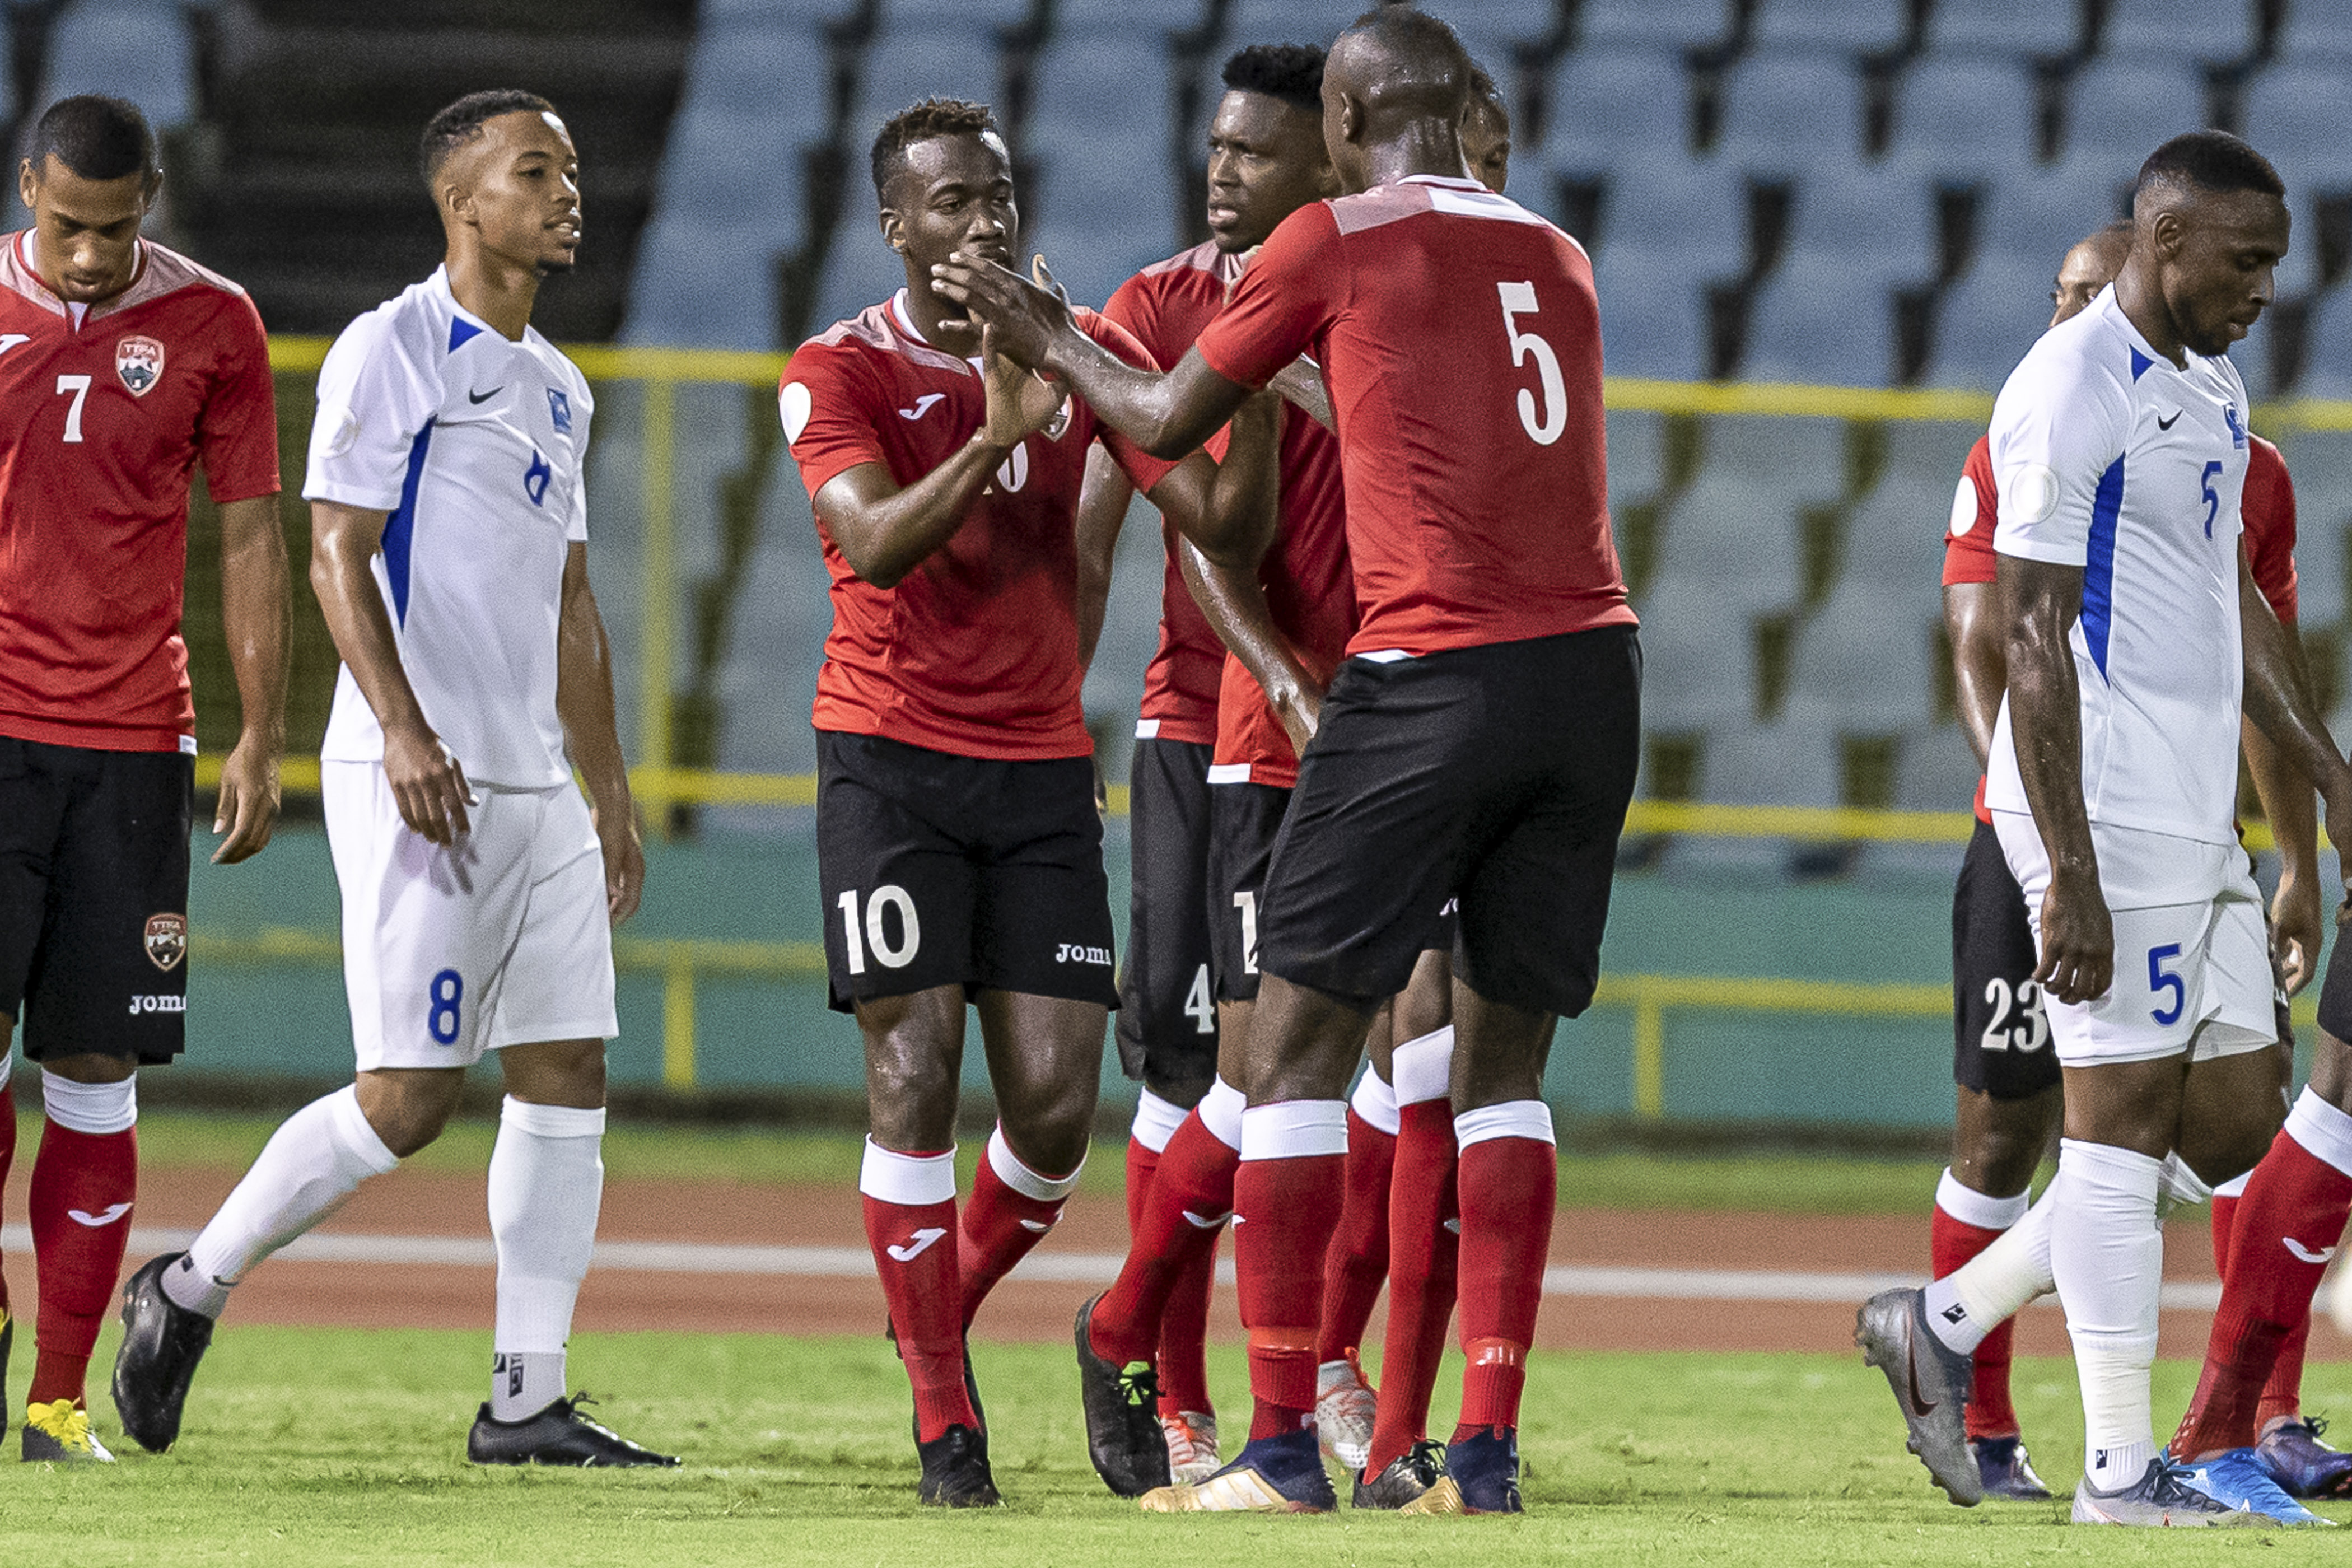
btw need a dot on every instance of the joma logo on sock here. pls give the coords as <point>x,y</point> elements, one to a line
<point>1070,953</point>
<point>158,1004</point>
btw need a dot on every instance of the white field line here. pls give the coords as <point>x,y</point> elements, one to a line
<point>1069,1268</point>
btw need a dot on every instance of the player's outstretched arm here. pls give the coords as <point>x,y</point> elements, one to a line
<point>2040,601</point>
<point>427,782</point>
<point>1979,660</point>
<point>2278,702</point>
<point>1167,415</point>
<point>1102,512</point>
<point>1234,603</point>
<point>2287,797</point>
<point>583,702</point>
<point>256,606</point>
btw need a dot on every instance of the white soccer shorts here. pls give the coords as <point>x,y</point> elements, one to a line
<point>499,941</point>
<point>2192,955</point>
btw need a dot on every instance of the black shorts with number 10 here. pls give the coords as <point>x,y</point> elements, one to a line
<point>2000,1036</point>
<point>945,870</point>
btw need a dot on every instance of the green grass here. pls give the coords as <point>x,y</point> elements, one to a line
<point>307,1446</point>
<point>1788,1183</point>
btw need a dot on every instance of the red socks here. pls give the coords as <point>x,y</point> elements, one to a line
<point>2286,1226</point>
<point>85,1180</point>
<point>1184,1359</point>
<point>1194,1179</point>
<point>1286,1202</point>
<point>1355,1265</point>
<point>1011,1209</point>
<point>2283,1395</point>
<point>1964,1223</point>
<point>910,1224</point>
<point>1510,1182</point>
<point>1424,1251</point>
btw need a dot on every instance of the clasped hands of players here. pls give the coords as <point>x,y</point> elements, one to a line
<point>1021,401</point>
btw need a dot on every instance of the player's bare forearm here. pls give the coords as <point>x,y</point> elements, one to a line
<point>2287,798</point>
<point>591,734</point>
<point>1979,662</point>
<point>256,609</point>
<point>2040,601</point>
<point>2278,698</point>
<point>884,532</point>
<point>1234,601</point>
<point>1301,385</point>
<point>1103,500</point>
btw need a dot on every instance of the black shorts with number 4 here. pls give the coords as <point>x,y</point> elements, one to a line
<point>94,899</point>
<point>945,870</point>
<point>2000,1036</point>
<point>1167,1017</point>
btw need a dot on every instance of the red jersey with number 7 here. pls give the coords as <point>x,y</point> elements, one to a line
<point>1460,340</point>
<point>104,414</point>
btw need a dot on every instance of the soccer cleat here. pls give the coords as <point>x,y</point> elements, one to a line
<point>2162,1497</point>
<point>162,1343</point>
<point>955,1470</point>
<point>8,1339</point>
<point>1192,1446</point>
<point>1483,1468</point>
<point>558,1435</point>
<point>2007,1472</point>
<point>1271,1474</point>
<point>59,1433</point>
<point>1931,1383</point>
<point>1413,1482</point>
<point>1344,1407</point>
<point>1123,1408</point>
<point>2237,1479</point>
<point>971,1386</point>
<point>2291,1452</point>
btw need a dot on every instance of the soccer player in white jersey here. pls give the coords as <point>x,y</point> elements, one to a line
<point>447,481</point>
<point>2136,638</point>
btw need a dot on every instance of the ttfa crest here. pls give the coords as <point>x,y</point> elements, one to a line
<point>166,941</point>
<point>140,362</point>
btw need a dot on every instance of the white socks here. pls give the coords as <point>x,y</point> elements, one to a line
<point>1156,1120</point>
<point>2107,1252</point>
<point>1986,1291</point>
<point>1375,1102</point>
<point>547,1184</point>
<point>314,1162</point>
<point>98,1110</point>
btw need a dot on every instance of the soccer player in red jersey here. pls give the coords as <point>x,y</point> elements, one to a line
<point>2007,1077</point>
<point>126,366</point>
<point>1458,337</point>
<point>960,850</point>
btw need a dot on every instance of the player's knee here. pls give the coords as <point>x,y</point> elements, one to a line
<point>409,1109</point>
<point>2331,1071</point>
<point>88,1069</point>
<point>566,1072</point>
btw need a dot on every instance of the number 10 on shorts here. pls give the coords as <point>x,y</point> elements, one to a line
<point>872,933</point>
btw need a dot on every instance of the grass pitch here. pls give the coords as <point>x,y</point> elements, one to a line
<point>308,1446</point>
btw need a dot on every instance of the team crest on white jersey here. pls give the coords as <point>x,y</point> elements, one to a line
<point>140,362</point>
<point>559,408</point>
<point>166,941</point>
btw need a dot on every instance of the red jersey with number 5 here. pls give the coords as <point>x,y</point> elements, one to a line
<point>1460,340</point>
<point>104,415</point>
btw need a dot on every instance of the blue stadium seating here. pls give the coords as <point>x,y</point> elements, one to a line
<point>1876,224</point>
<point>2328,370</point>
<point>1985,323</point>
<point>2125,110</point>
<point>1788,764</point>
<point>1287,21</point>
<point>2295,115</point>
<point>1104,202</point>
<point>927,58</point>
<point>2013,28</point>
<point>2316,30</point>
<point>705,283</point>
<point>975,13</point>
<point>1609,102</point>
<point>1811,323</point>
<point>860,270</point>
<point>1789,113</point>
<point>2320,465</point>
<point>1697,663</point>
<point>793,13</point>
<point>1650,324</point>
<point>2167,29</point>
<point>137,49</point>
<point>1835,26</point>
<point>1965,118</point>
<point>2034,219</point>
<point>1668,23</point>
<point>1864,658</point>
<point>1687,219</point>
<point>1637,455</point>
<point>1088,18</point>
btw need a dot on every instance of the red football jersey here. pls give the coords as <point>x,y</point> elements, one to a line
<point>976,652</point>
<point>112,413</point>
<point>1310,588</point>
<point>1460,340</point>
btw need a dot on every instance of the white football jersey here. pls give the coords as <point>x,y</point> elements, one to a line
<point>477,448</point>
<point>2108,458</point>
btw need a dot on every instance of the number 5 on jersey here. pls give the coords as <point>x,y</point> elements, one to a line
<point>1519,299</point>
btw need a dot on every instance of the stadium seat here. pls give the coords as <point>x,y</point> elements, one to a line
<point>1105,203</point>
<point>1287,22</point>
<point>2007,27</point>
<point>1841,27</point>
<point>1787,763</point>
<point>1965,118</point>
<point>1788,113</point>
<point>1139,18</point>
<point>2125,110</point>
<point>1924,456</point>
<point>762,66</point>
<point>1609,105</point>
<point>1668,23</point>
<point>2166,29</point>
<point>2327,348</point>
<point>1735,542</point>
<point>1988,320</point>
<point>1811,322</point>
<point>1795,460</point>
<point>767,679</point>
<point>1653,317</point>
<point>1862,661</point>
<point>137,49</point>
<point>727,166</point>
<point>931,58</point>
<point>2319,463</point>
<point>859,270</point>
<point>1690,216</point>
<point>961,13</point>
<point>795,13</point>
<point>1894,535</point>
<point>1637,454</point>
<point>1876,222</point>
<point>2295,115</point>
<point>1698,661</point>
<point>2314,31</point>
<point>1936,771</point>
<point>2033,219</point>
<point>699,284</point>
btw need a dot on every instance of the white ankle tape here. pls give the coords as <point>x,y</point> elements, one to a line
<point>1156,1120</point>
<point>1970,1206</point>
<point>1376,1102</point>
<point>1422,1069</point>
<point>1221,1112</point>
<point>2324,1131</point>
<point>98,1108</point>
<point>2177,1187</point>
<point>1528,1119</point>
<point>552,1121</point>
<point>1295,1129</point>
<point>1025,1181</point>
<point>914,1181</point>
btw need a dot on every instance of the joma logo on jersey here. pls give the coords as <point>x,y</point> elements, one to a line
<point>1071,952</point>
<point>536,477</point>
<point>166,941</point>
<point>158,1004</point>
<point>140,362</point>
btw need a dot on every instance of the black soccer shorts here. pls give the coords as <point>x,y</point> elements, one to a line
<point>2001,1036</point>
<point>1167,1019</point>
<point>944,870</point>
<point>1497,775</point>
<point>1243,821</point>
<point>94,899</point>
<point>2336,989</point>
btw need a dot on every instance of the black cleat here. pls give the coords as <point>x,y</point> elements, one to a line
<point>955,1470</point>
<point>558,1435</point>
<point>161,1344</point>
<point>1122,1407</point>
<point>1413,1482</point>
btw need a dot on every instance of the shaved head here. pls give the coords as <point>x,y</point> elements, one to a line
<point>1396,76</point>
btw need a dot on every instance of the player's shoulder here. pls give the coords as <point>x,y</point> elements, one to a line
<point>1201,265</point>
<point>2090,361</point>
<point>169,272</point>
<point>1419,195</point>
<point>423,324</point>
<point>2264,457</point>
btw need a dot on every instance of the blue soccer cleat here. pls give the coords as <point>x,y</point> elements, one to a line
<point>2303,1465</point>
<point>2237,1479</point>
<point>1271,1474</point>
<point>2007,1471</point>
<point>1485,1469</point>
<point>2167,1496</point>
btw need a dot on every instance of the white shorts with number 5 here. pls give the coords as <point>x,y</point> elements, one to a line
<point>498,941</point>
<point>2192,957</point>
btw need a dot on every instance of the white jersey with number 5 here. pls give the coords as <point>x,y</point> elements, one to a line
<point>477,447</point>
<point>2110,458</point>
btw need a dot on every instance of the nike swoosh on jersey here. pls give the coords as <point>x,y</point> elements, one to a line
<point>114,1212</point>
<point>2308,1254</point>
<point>10,340</point>
<point>479,399</point>
<point>922,406</point>
<point>921,1242</point>
<point>2164,423</point>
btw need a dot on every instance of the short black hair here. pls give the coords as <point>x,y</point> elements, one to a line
<point>1484,91</point>
<point>1291,73</point>
<point>463,121</point>
<point>2211,160</point>
<point>924,121</point>
<point>98,138</point>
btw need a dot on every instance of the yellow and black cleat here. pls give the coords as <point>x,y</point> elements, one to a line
<point>59,1434</point>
